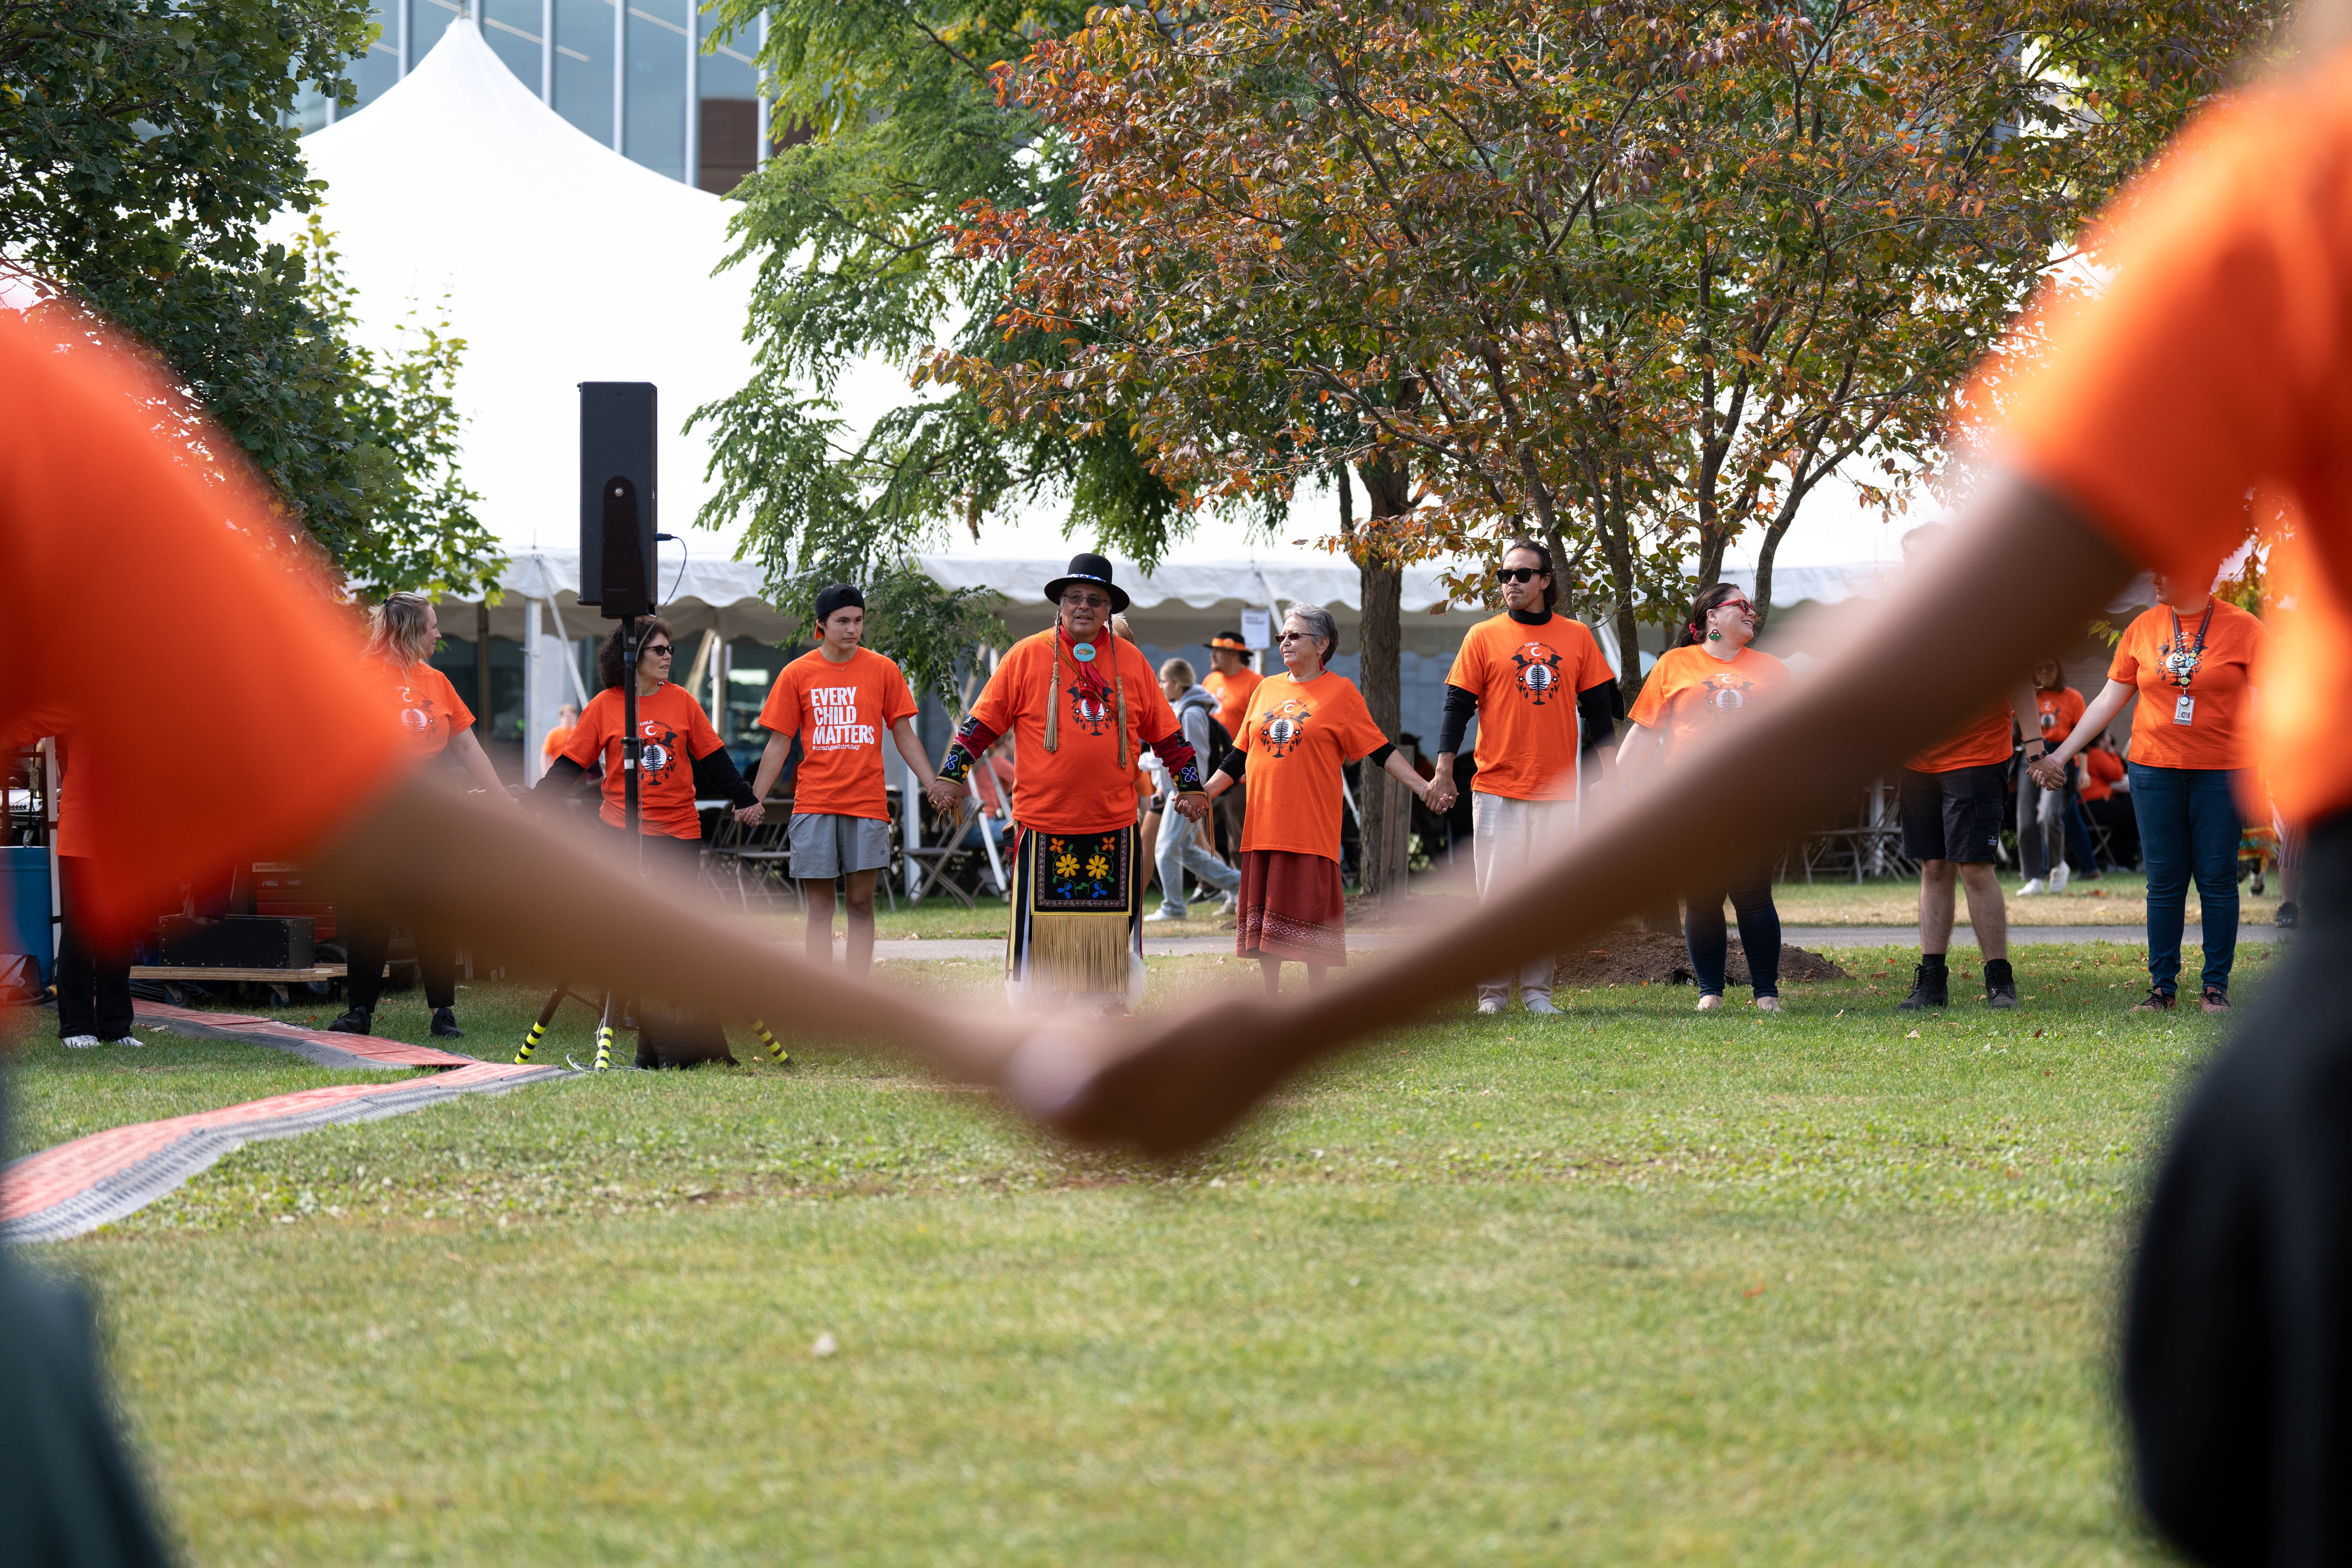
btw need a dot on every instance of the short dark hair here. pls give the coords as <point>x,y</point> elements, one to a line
<point>1695,624</point>
<point>608,658</point>
<point>1543,553</point>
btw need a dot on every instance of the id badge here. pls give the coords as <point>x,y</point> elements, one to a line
<point>2185,710</point>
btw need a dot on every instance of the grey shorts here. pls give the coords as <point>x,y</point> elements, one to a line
<point>823,845</point>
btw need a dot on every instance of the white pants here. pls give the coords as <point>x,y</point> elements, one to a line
<point>1506,837</point>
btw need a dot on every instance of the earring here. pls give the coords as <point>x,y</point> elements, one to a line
<point>1715,636</point>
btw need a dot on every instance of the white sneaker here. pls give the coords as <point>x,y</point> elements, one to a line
<point>1163,914</point>
<point>2058,877</point>
<point>128,1040</point>
<point>78,1042</point>
<point>1231,901</point>
<point>2036,886</point>
<point>1540,1006</point>
<point>1488,1007</point>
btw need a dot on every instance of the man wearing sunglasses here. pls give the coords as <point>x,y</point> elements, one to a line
<point>1543,695</point>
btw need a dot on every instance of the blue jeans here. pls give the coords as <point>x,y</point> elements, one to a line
<point>1179,851</point>
<point>2189,825</point>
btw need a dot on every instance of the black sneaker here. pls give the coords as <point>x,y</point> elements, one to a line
<point>1929,988</point>
<point>2157,1001</point>
<point>2288,916</point>
<point>2000,984</point>
<point>358,1021</point>
<point>444,1023</point>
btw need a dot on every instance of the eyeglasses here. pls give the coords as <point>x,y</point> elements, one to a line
<point>1518,574</point>
<point>1084,601</point>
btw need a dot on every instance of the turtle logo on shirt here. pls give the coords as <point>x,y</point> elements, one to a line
<point>659,752</point>
<point>1089,708</point>
<point>1284,727</point>
<point>1538,676</point>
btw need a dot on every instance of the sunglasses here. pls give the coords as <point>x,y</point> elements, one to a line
<point>657,651</point>
<point>1295,637</point>
<point>1518,574</point>
<point>1742,605</point>
<point>1084,601</point>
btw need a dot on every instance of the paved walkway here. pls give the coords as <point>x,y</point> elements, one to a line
<point>1796,936</point>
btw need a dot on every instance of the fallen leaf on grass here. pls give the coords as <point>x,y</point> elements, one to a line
<point>1912,1035</point>
<point>825,1345</point>
<point>1753,1290</point>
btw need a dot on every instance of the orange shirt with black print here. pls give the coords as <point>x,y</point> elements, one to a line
<point>1298,735</point>
<point>429,710</point>
<point>2191,709</point>
<point>1078,786</point>
<point>2060,710</point>
<point>1690,694</point>
<point>1526,678</point>
<point>676,733</point>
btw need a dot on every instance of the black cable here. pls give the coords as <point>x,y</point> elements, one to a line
<point>684,555</point>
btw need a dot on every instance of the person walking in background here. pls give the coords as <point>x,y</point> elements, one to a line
<point>1537,682</point>
<point>2042,813</point>
<point>2106,796</point>
<point>2188,659</point>
<point>1952,799</point>
<point>839,701</point>
<point>401,634</point>
<point>681,757</point>
<point>1181,847</point>
<point>559,734</point>
<point>1303,727</point>
<point>93,974</point>
<point>1081,704</point>
<point>1234,678</point>
<point>1708,678</point>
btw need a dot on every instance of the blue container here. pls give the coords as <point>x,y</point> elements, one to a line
<point>24,905</point>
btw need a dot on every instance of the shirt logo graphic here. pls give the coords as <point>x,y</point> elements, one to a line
<point>1089,708</point>
<point>832,725</point>
<point>1538,676</point>
<point>2180,665</point>
<point>660,751</point>
<point>1284,727</point>
<point>1728,694</point>
<point>415,712</point>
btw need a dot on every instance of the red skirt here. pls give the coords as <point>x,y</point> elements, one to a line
<point>1291,906</point>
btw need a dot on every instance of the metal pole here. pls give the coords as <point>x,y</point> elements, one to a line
<point>404,6</point>
<point>534,697</point>
<point>694,94</point>
<point>547,51</point>
<point>620,78</point>
<point>759,154</point>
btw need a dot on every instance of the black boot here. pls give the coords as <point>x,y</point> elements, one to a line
<point>444,1023</point>
<point>357,1021</point>
<point>2000,984</point>
<point>1929,986</point>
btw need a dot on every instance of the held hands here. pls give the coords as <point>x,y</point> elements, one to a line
<point>1439,795</point>
<point>2048,774</point>
<point>1193,805</point>
<point>752,815</point>
<point>945,797</point>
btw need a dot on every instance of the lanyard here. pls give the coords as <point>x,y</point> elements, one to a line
<point>2181,661</point>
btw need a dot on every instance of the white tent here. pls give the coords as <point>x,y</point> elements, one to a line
<point>560,261</point>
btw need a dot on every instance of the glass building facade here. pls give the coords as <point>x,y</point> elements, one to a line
<point>649,78</point>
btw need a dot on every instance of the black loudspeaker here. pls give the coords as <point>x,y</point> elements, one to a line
<point>240,941</point>
<point>619,496</point>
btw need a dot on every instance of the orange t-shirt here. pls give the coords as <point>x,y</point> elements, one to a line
<point>1079,787</point>
<point>1233,692</point>
<point>675,730</point>
<point>1690,693</point>
<point>2060,710</point>
<point>557,738</point>
<point>1298,735</point>
<point>1990,737</point>
<point>428,708</point>
<point>2101,769</point>
<point>2217,733</point>
<point>1525,679</point>
<point>126,546</point>
<point>2217,362</point>
<point>841,713</point>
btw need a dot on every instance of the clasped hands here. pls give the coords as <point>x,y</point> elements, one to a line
<point>2048,774</point>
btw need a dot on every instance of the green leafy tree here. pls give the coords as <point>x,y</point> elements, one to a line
<point>143,144</point>
<point>850,230</point>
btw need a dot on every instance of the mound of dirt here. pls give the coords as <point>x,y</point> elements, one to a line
<point>1659,958</point>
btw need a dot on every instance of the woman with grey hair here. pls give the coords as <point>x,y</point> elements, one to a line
<point>1303,726</point>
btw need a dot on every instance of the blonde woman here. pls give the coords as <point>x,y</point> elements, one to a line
<point>401,635</point>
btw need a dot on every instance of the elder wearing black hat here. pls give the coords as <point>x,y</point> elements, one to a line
<point>1080,705</point>
<point>836,700</point>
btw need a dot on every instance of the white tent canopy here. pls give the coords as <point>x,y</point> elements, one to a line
<point>554,257</point>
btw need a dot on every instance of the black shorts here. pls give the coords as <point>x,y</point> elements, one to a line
<point>1955,816</point>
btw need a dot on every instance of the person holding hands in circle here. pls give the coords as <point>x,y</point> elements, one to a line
<point>1542,693</point>
<point>1710,678</point>
<point>2189,660</point>
<point>1303,727</point>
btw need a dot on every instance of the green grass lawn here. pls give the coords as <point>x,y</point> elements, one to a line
<point>1635,1284</point>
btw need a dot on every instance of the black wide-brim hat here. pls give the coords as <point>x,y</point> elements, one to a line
<point>1090,569</point>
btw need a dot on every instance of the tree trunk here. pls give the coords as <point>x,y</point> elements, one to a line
<point>1386,804</point>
